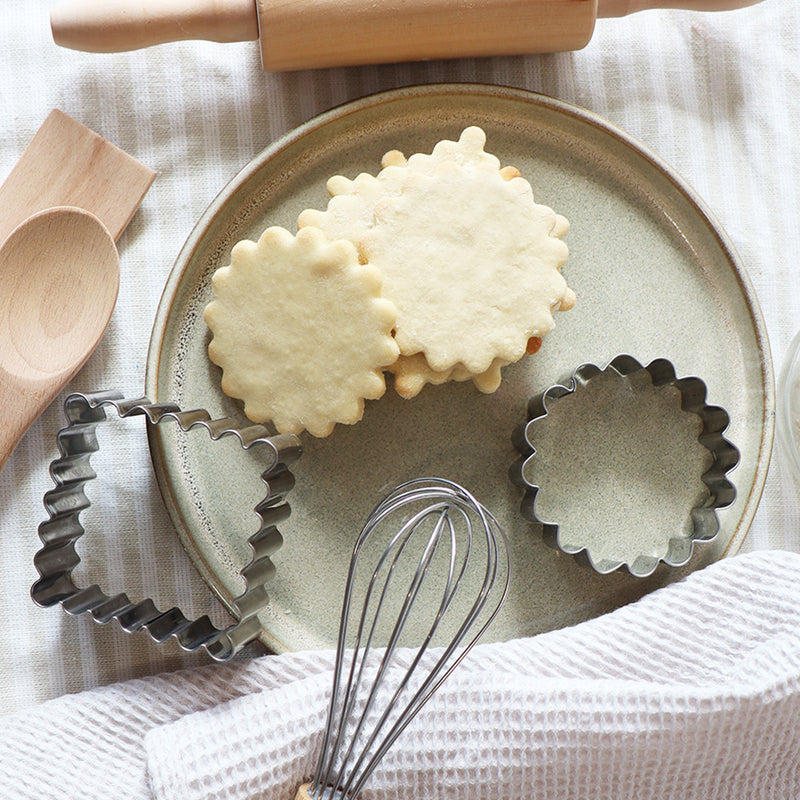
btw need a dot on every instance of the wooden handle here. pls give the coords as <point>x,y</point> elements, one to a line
<point>302,793</point>
<point>621,8</point>
<point>110,26</point>
<point>14,424</point>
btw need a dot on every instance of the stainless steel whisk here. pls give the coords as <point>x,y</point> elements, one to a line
<point>379,687</point>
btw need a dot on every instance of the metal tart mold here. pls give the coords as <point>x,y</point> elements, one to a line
<point>599,451</point>
<point>71,472</point>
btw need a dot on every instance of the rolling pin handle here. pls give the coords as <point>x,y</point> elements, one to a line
<point>111,26</point>
<point>621,8</point>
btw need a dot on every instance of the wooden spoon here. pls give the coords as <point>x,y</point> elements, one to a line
<point>59,278</point>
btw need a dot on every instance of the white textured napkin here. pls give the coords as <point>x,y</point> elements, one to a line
<point>692,692</point>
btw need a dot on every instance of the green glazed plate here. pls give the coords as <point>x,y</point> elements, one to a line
<point>654,274</point>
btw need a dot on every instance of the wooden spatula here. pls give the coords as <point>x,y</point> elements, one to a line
<point>67,164</point>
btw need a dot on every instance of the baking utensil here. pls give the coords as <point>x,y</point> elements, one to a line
<point>627,209</point>
<point>67,164</point>
<point>62,530</point>
<point>329,33</point>
<point>635,433</point>
<point>426,532</point>
<point>59,277</point>
<point>53,259</point>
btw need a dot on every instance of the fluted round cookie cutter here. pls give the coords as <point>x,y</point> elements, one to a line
<point>714,421</point>
<point>72,470</point>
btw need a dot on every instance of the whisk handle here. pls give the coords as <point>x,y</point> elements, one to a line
<point>303,793</point>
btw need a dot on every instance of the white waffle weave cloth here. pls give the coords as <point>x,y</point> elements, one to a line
<point>693,692</point>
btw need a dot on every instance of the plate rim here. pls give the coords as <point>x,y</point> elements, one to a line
<point>585,116</point>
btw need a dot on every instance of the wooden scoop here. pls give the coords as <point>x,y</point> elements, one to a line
<point>59,277</point>
<point>304,34</point>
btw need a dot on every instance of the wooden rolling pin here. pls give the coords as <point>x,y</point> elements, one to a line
<point>305,34</point>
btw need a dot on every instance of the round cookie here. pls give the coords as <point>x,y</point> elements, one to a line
<point>411,373</point>
<point>469,259</point>
<point>300,330</point>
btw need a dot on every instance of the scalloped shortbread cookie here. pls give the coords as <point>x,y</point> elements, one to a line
<point>471,262</point>
<point>300,330</point>
<point>411,373</point>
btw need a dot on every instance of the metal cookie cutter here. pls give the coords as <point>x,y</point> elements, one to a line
<point>631,460</point>
<point>60,533</point>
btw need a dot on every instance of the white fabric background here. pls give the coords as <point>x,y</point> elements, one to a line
<point>716,96</point>
<point>693,693</point>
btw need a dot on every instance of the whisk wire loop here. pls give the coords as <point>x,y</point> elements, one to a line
<point>359,663</point>
<point>436,676</point>
<point>449,516</point>
<point>403,616</point>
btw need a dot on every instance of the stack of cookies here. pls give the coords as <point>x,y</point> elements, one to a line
<point>441,267</point>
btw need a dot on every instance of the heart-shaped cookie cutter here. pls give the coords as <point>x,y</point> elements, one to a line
<point>59,534</point>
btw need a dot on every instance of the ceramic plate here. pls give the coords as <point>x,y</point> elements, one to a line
<point>655,277</point>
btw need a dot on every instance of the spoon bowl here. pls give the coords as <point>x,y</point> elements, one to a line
<point>59,279</point>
